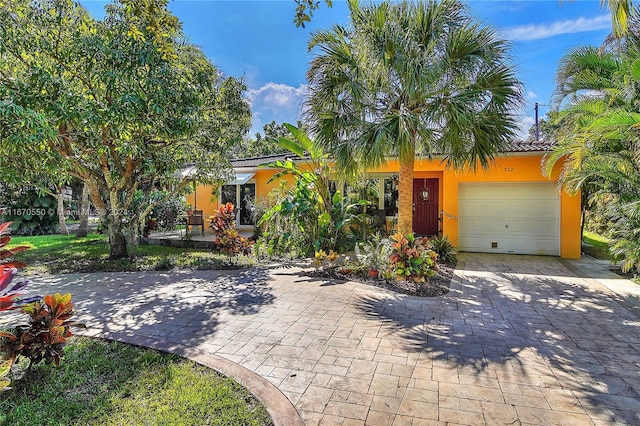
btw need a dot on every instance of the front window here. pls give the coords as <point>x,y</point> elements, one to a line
<point>229,195</point>
<point>367,190</point>
<point>243,197</point>
<point>247,204</point>
<point>391,196</point>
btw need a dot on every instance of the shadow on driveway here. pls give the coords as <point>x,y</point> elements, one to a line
<point>184,307</point>
<point>552,333</point>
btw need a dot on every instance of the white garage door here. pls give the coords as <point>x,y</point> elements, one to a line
<point>521,218</point>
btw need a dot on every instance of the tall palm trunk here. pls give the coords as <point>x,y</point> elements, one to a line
<point>405,192</point>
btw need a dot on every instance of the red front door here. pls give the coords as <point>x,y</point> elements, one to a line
<point>425,206</point>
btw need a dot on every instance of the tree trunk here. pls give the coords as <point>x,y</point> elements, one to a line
<point>116,226</point>
<point>131,237</point>
<point>405,193</point>
<point>62,224</point>
<point>83,228</point>
<point>117,241</point>
<point>112,219</point>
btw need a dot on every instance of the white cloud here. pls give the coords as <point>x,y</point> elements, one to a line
<point>275,101</point>
<point>277,95</point>
<point>540,31</point>
<point>525,125</point>
<point>531,95</point>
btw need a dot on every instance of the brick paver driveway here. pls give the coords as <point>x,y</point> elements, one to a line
<point>518,340</point>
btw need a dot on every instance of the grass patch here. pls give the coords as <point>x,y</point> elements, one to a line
<point>66,254</point>
<point>595,245</point>
<point>110,383</point>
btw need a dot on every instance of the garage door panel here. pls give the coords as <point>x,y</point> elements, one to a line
<point>531,228</point>
<point>503,191</point>
<point>511,245</point>
<point>509,208</point>
<point>527,208</point>
<point>516,227</point>
<point>517,245</point>
<point>468,227</point>
<point>479,244</point>
<point>544,229</point>
<point>509,218</point>
<point>542,246</point>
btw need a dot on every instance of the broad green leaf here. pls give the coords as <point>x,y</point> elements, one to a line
<point>303,140</point>
<point>324,219</point>
<point>337,197</point>
<point>292,146</point>
<point>635,68</point>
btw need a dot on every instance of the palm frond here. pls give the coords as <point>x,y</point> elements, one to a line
<point>620,10</point>
<point>410,77</point>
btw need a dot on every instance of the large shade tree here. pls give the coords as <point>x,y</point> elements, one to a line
<point>121,103</point>
<point>22,171</point>
<point>407,79</point>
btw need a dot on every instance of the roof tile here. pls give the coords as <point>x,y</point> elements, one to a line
<point>536,146</point>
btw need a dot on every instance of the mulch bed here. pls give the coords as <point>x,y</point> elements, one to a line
<point>438,285</point>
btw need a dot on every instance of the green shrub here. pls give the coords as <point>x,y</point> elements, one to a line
<point>296,224</point>
<point>168,212</point>
<point>49,328</point>
<point>228,240</point>
<point>46,334</point>
<point>30,212</point>
<point>308,216</point>
<point>445,250</point>
<point>412,258</point>
<point>625,236</point>
<point>375,253</point>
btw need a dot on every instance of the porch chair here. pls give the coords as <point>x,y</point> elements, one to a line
<point>196,219</point>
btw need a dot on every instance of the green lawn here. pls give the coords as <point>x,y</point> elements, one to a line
<point>595,245</point>
<point>65,254</point>
<point>110,383</point>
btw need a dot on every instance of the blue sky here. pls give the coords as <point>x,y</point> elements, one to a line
<point>257,40</point>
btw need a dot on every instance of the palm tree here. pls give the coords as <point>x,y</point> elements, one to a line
<point>585,88</point>
<point>620,10</point>
<point>407,79</point>
<point>597,94</point>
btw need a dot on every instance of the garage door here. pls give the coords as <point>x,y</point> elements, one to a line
<point>521,218</point>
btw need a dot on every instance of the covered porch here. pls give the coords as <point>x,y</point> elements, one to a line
<point>180,238</point>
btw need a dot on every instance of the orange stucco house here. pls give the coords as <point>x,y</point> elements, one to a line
<point>512,207</point>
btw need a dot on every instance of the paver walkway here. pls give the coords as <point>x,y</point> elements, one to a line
<point>518,340</point>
